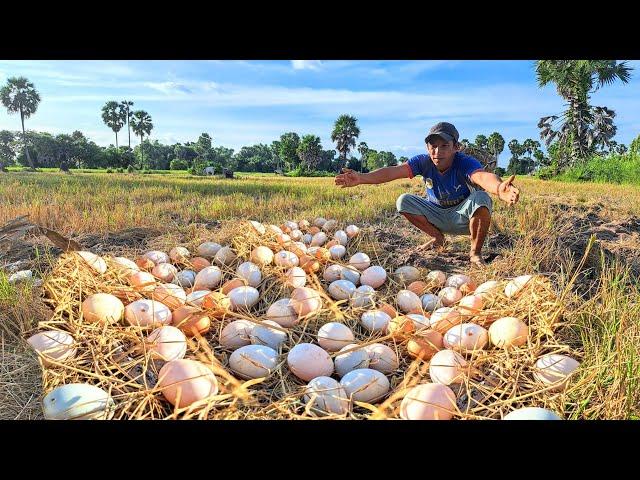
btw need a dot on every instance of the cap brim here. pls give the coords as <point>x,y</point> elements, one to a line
<point>442,135</point>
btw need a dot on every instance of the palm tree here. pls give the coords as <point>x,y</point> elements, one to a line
<point>363,149</point>
<point>141,126</point>
<point>20,95</point>
<point>575,80</point>
<point>112,117</point>
<point>495,145</point>
<point>126,105</point>
<point>345,132</point>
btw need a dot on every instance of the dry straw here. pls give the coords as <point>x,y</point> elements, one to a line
<point>116,359</point>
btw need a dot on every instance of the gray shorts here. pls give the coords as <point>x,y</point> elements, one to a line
<point>453,220</point>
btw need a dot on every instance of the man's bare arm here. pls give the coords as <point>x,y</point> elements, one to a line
<point>351,178</point>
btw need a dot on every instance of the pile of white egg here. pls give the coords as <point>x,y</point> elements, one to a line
<point>184,294</point>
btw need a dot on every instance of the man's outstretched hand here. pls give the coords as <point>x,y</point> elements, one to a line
<point>507,192</point>
<point>348,178</point>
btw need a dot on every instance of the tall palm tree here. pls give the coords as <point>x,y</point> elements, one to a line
<point>112,117</point>
<point>575,80</point>
<point>20,95</point>
<point>495,145</point>
<point>345,132</point>
<point>141,125</point>
<point>363,149</point>
<point>126,105</point>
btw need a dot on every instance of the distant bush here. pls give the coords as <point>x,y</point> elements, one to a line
<point>130,169</point>
<point>178,164</point>
<point>120,170</point>
<point>613,168</point>
<point>109,170</point>
<point>298,172</point>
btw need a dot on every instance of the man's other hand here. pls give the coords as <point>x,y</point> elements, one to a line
<point>348,178</point>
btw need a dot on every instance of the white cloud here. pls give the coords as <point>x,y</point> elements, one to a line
<point>306,64</point>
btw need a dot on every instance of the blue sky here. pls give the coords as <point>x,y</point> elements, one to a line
<point>245,102</point>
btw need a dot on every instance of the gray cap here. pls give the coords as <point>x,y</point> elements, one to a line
<point>445,130</point>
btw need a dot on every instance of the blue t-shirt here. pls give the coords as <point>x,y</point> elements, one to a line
<point>451,187</point>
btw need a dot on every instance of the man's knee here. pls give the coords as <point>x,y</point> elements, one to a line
<point>482,198</point>
<point>402,202</point>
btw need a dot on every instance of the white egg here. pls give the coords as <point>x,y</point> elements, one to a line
<point>96,262</point>
<point>208,278</point>
<point>311,251</point>
<point>262,255</point>
<point>373,276</point>
<point>516,285</point>
<point>225,256</point>
<point>296,277</point>
<point>173,296</point>
<point>185,278</point>
<point>197,297</point>
<point>78,401</point>
<point>430,302</point>
<point>208,249</point>
<point>375,320</point>
<point>408,301</point>
<point>466,337</point>
<point>457,280</point>
<point>337,252</point>
<point>382,358</point>
<point>555,369</point>
<point>53,345</point>
<point>349,359</point>
<point>341,237</point>
<point>351,274</point>
<point>179,254</point>
<point>236,334</point>
<point>406,274</point>
<point>286,259</point>
<point>319,239</point>
<point>334,335</point>
<point>449,296</point>
<point>420,322</point>
<point>327,395</point>
<point>243,297</point>
<point>447,367</point>
<point>330,225</point>
<point>319,222</point>
<point>156,256</point>
<point>307,361</point>
<point>307,238</point>
<point>437,278</point>
<point>147,312</point>
<point>304,224</point>
<point>365,385</point>
<point>360,260</point>
<point>332,272</point>
<point>486,288</point>
<point>283,313</point>
<point>128,266</point>
<point>532,413</point>
<point>296,234</point>
<point>164,271</point>
<point>364,296</point>
<point>253,361</point>
<point>263,334</point>
<point>291,225</point>
<point>258,227</point>
<point>275,229</point>
<point>250,272</point>
<point>352,231</point>
<point>442,319</point>
<point>167,343</point>
<point>341,289</point>
<point>428,401</point>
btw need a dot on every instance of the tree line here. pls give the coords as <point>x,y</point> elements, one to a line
<point>571,137</point>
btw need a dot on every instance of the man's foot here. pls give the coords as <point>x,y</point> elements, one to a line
<point>476,260</point>
<point>433,244</point>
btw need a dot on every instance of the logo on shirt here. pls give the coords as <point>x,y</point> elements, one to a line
<point>428,182</point>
